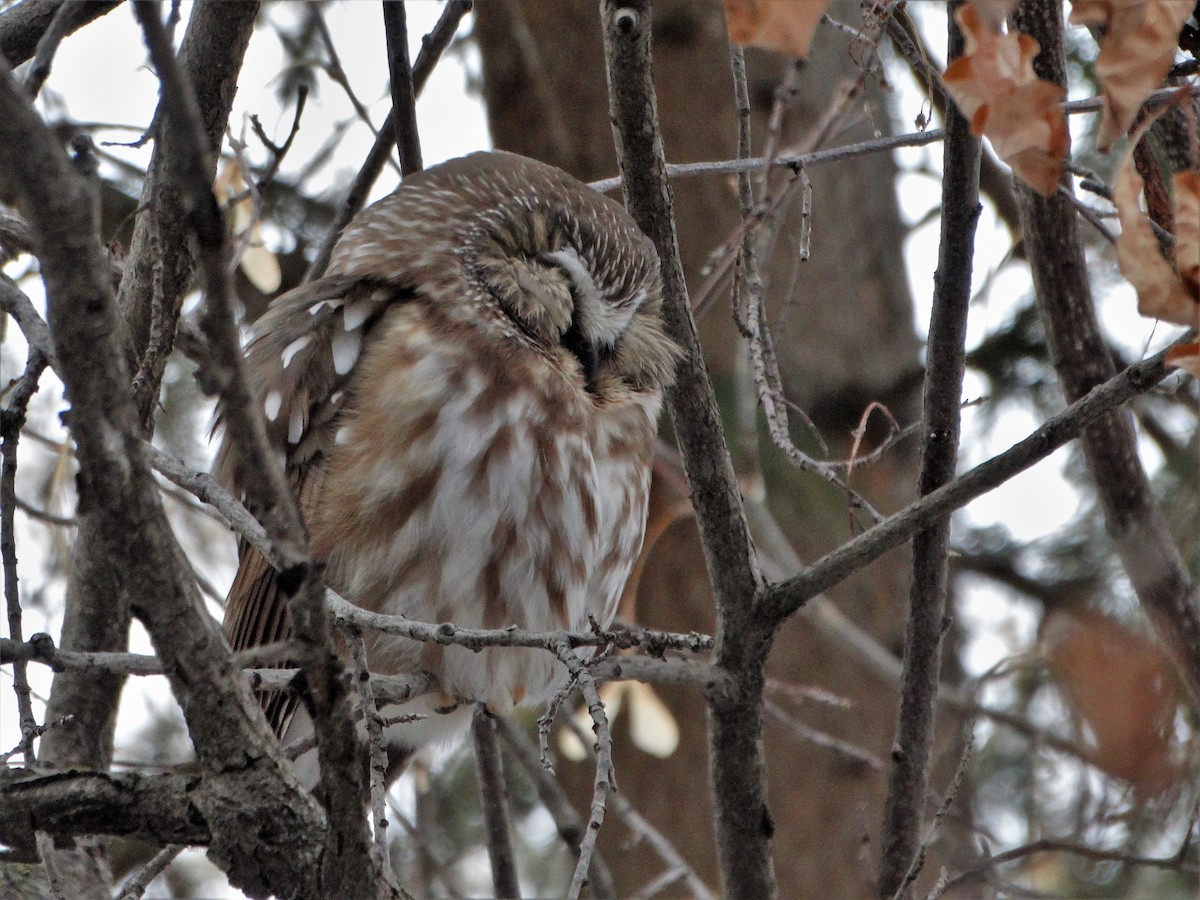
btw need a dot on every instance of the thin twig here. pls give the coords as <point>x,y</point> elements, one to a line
<point>377,753</point>
<point>432,47</point>
<point>960,774</point>
<point>137,883</point>
<point>12,420</point>
<point>784,598</point>
<point>605,780</point>
<point>17,304</point>
<point>849,151</point>
<point>40,515</point>
<point>404,95</point>
<point>554,799</point>
<point>278,153</point>
<point>853,754</point>
<point>1174,862</point>
<point>60,26</point>
<point>333,68</point>
<point>477,639</point>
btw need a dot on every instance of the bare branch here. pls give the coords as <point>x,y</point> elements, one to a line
<point>347,859</point>
<point>605,780</point>
<point>135,887</point>
<point>377,754</point>
<point>493,797</point>
<point>23,24</point>
<point>570,826</point>
<point>432,47</point>
<point>160,809</point>
<point>940,428</point>
<point>785,598</point>
<point>1132,515</point>
<point>62,23</point>
<point>404,96</point>
<point>736,750</point>
<point>12,420</point>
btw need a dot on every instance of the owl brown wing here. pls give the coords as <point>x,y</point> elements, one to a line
<point>256,607</point>
<point>301,362</point>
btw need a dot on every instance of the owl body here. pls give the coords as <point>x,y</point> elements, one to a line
<point>467,405</point>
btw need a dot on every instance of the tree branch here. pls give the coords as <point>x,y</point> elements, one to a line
<point>119,498</point>
<point>493,797</point>
<point>22,25</point>
<point>404,97</point>
<point>432,47</point>
<point>737,763</point>
<point>1132,514</point>
<point>160,809</point>
<point>908,778</point>
<point>346,861</point>
<point>784,598</point>
<point>570,826</point>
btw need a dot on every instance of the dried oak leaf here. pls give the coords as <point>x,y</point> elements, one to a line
<point>1168,288</point>
<point>1123,688</point>
<point>994,85</point>
<point>1136,53</point>
<point>786,26</point>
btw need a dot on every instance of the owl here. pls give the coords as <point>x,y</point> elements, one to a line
<point>466,407</point>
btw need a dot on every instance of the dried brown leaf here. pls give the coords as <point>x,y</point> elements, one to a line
<point>786,26</point>
<point>995,87</point>
<point>1122,686</point>
<point>1136,52</point>
<point>1167,286</point>
<point>1186,357</point>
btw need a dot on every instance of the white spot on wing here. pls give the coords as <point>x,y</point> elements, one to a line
<point>272,404</point>
<point>343,435</point>
<point>356,313</point>
<point>290,351</point>
<point>345,346</point>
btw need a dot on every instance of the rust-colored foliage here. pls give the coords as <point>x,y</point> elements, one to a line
<point>782,25</point>
<point>1136,53</point>
<point>1121,686</point>
<point>1168,284</point>
<point>994,85</point>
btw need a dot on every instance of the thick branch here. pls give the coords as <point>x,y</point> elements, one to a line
<point>346,860</point>
<point>160,809</point>
<point>783,599</point>
<point>736,754</point>
<point>160,258</point>
<point>134,552</point>
<point>1060,276</point>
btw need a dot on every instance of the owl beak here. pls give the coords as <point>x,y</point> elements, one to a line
<point>587,352</point>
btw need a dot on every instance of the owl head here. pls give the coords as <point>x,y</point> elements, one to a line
<point>567,267</point>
